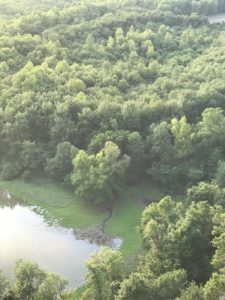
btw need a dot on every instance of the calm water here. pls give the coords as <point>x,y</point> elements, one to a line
<point>217,18</point>
<point>25,234</point>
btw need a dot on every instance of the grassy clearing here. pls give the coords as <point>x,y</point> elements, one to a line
<point>55,200</point>
<point>127,214</point>
<point>62,205</point>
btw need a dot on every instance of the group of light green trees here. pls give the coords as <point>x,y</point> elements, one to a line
<point>102,94</point>
<point>32,283</point>
<point>183,258</point>
<point>136,79</point>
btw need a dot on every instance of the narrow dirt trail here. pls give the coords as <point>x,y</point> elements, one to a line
<point>96,233</point>
<point>109,210</point>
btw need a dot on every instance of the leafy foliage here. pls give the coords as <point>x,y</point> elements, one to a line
<point>137,73</point>
<point>102,94</point>
<point>98,178</point>
<point>182,242</point>
<point>31,282</point>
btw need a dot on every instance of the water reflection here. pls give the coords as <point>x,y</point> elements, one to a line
<point>7,200</point>
<point>25,234</point>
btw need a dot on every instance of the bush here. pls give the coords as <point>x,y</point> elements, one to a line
<point>32,156</point>
<point>61,165</point>
<point>11,170</point>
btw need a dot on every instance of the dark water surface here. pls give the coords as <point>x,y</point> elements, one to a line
<point>25,234</point>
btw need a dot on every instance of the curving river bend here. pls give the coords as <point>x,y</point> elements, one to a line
<point>25,234</point>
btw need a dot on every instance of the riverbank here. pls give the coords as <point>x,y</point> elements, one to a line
<point>56,202</point>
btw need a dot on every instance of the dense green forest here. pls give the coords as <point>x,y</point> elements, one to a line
<point>148,77</point>
<point>100,95</point>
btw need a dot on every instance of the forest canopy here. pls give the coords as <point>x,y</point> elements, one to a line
<point>146,76</point>
<point>100,94</point>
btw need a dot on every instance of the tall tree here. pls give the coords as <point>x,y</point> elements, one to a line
<point>105,272</point>
<point>98,178</point>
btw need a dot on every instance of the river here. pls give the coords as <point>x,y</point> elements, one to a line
<point>218,18</point>
<point>25,234</point>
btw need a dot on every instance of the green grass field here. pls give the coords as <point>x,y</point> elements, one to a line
<point>61,204</point>
<point>56,201</point>
<point>127,214</point>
